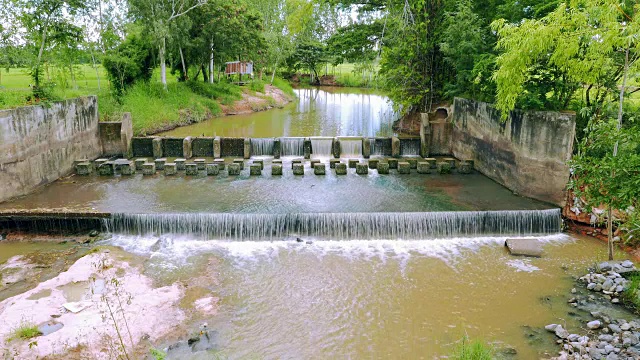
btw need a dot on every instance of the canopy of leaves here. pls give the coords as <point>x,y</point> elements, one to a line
<point>130,62</point>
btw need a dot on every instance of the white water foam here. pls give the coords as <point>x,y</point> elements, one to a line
<point>175,251</point>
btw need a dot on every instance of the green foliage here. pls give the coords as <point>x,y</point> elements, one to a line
<point>308,55</point>
<point>257,85</point>
<point>356,42</point>
<point>24,331</point>
<point>131,61</point>
<point>284,86</point>
<point>158,354</point>
<point>631,295</point>
<point>224,91</point>
<point>631,229</point>
<point>472,350</point>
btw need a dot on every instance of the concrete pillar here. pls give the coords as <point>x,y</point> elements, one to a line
<point>393,163</point>
<point>395,147</point>
<point>234,169</point>
<point>336,148</point>
<point>180,164</point>
<point>470,162</point>
<point>235,161</point>
<point>126,135</point>
<point>148,168</point>
<point>170,169</point>
<point>404,167</point>
<point>247,148</point>
<point>296,161</point>
<point>84,168</point>
<point>353,163</point>
<point>451,161</point>
<point>423,167</point>
<point>139,162</point>
<point>187,147</point>
<point>212,169</point>
<point>127,168</point>
<point>221,164</point>
<point>298,169</point>
<point>366,148</point>
<point>362,169</point>
<point>425,135</point>
<point>160,163</point>
<point>191,169</point>
<point>432,162</point>
<point>444,168</point>
<point>341,169</point>
<point>383,168</point>
<point>217,149</point>
<point>276,169</point>
<point>373,163</point>
<point>156,144</point>
<point>106,168</point>
<point>319,169</point>
<point>255,169</point>
<point>333,162</point>
<point>259,162</point>
<point>314,162</point>
<point>307,148</point>
<point>277,148</point>
<point>465,168</point>
<point>413,162</point>
<point>200,163</point>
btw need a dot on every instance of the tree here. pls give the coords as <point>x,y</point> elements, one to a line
<point>594,43</point>
<point>130,62</point>
<point>158,16</point>
<point>45,22</point>
<point>309,55</point>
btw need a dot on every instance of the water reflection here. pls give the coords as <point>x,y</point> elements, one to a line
<point>316,112</point>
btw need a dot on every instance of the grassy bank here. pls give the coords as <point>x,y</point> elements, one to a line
<point>152,108</point>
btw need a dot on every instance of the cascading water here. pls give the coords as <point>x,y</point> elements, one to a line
<point>262,147</point>
<point>350,147</point>
<point>409,147</point>
<point>292,146</point>
<point>380,146</point>
<point>322,147</point>
<point>340,226</point>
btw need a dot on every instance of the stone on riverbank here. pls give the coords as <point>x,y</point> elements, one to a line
<point>524,247</point>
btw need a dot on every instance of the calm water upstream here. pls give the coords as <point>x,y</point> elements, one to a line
<point>326,111</point>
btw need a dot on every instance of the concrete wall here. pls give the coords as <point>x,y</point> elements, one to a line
<point>39,144</point>
<point>528,153</point>
<point>115,137</point>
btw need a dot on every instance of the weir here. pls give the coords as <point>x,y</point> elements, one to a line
<point>292,146</point>
<point>262,146</point>
<point>350,147</point>
<point>409,147</point>
<point>339,226</point>
<point>322,146</point>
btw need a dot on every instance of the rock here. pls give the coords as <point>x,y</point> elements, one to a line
<point>605,266</point>
<point>614,328</point>
<point>573,291</point>
<point>625,327</point>
<point>607,338</point>
<point>607,284</point>
<point>591,286</point>
<point>309,242</point>
<point>299,240</point>
<point>551,327</point>
<point>627,264</point>
<point>597,288</point>
<point>612,356</point>
<point>619,288</point>
<point>629,339</point>
<point>595,324</point>
<point>615,300</point>
<point>561,333</point>
<point>524,246</point>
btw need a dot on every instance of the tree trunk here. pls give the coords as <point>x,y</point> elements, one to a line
<point>204,72</point>
<point>610,233</point>
<point>73,77</point>
<point>163,65</point>
<point>93,59</point>
<point>211,65</point>
<point>273,75</point>
<point>44,38</point>
<point>185,76</point>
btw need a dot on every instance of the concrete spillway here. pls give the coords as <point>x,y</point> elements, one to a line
<point>339,226</point>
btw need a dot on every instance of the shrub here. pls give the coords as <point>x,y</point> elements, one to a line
<point>257,86</point>
<point>130,62</point>
<point>472,350</point>
<point>24,331</point>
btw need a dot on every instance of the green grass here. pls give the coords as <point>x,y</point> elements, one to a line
<point>284,86</point>
<point>472,350</point>
<point>631,295</point>
<point>24,331</point>
<point>257,85</point>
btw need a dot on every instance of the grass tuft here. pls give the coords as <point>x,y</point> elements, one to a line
<point>472,350</point>
<point>284,86</point>
<point>24,331</point>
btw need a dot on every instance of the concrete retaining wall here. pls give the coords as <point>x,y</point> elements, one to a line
<point>39,144</point>
<point>115,137</point>
<point>528,153</point>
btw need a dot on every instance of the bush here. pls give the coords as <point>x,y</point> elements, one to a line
<point>257,86</point>
<point>131,61</point>
<point>631,295</point>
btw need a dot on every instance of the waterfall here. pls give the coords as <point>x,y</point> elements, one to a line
<point>292,146</point>
<point>350,147</point>
<point>263,146</point>
<point>409,147</point>
<point>340,226</point>
<point>380,146</point>
<point>322,146</point>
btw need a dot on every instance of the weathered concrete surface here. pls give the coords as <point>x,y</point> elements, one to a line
<point>115,137</point>
<point>39,144</point>
<point>524,247</point>
<point>528,153</point>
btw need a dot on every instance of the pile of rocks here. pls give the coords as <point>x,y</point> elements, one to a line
<point>610,283</point>
<point>608,339</point>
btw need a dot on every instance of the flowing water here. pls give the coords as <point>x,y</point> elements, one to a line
<point>292,146</point>
<point>373,298</point>
<point>326,111</point>
<point>261,146</point>
<point>322,147</point>
<point>350,147</point>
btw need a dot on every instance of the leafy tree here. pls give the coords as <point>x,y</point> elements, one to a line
<point>309,55</point>
<point>594,43</point>
<point>130,62</point>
